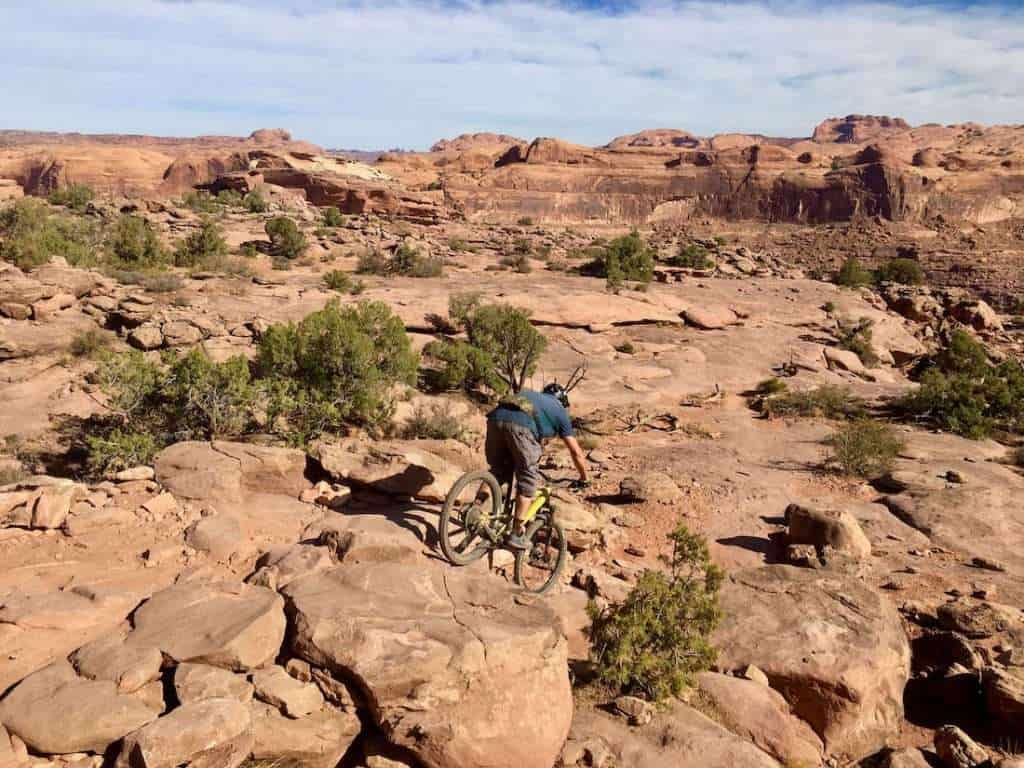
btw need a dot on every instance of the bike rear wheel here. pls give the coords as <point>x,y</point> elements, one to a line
<point>470,517</point>
<point>538,569</point>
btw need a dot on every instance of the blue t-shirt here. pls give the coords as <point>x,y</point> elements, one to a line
<point>549,418</point>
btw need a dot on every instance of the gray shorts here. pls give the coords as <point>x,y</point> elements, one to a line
<point>512,449</point>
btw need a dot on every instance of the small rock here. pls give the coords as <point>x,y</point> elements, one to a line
<point>988,565</point>
<point>953,476</point>
<point>162,505</point>
<point>134,473</point>
<point>750,672</point>
<point>279,689</point>
<point>638,711</point>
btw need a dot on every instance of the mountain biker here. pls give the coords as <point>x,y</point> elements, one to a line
<point>516,431</point>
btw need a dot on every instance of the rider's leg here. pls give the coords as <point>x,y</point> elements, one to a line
<point>527,451</point>
<point>499,458</point>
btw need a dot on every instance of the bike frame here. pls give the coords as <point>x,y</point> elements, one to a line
<point>539,501</point>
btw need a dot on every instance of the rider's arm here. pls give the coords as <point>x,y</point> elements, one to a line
<point>577,456</point>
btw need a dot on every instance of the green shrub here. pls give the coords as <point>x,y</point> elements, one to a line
<point>525,221</point>
<point>161,282</point>
<point>904,271</point>
<point>203,247</point>
<point>406,260</point>
<point>461,366</point>
<point>462,305</point>
<point>372,262</point>
<point>32,235</point>
<point>436,423</point>
<point>131,383</point>
<point>200,201</point>
<point>75,196</point>
<point>523,246</point>
<point>720,241</point>
<point>829,307</point>
<point>772,386</point>
<point>254,202</point>
<point>119,449</point>
<point>692,256</point>
<point>229,198</point>
<point>864,447</point>
<point>458,244</point>
<point>89,343</point>
<point>518,262</point>
<point>653,642</point>
<point>286,240</point>
<point>853,274</point>
<point>963,392</point>
<point>626,348</point>
<point>186,397</point>
<point>827,401</point>
<point>337,280</point>
<point>204,400</point>
<point>337,366</point>
<point>625,258</point>
<point>133,242</point>
<point>410,262</point>
<point>504,333</point>
<point>856,337</point>
<point>332,217</point>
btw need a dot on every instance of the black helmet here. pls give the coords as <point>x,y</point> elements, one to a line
<point>558,392</point>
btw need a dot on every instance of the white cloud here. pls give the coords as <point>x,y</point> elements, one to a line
<point>405,72</point>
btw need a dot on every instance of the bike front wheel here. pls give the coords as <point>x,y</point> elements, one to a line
<point>471,511</point>
<point>538,568</point>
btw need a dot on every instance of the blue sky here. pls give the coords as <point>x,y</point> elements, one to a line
<point>382,73</point>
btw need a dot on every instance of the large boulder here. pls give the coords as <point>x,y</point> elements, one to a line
<point>454,668</point>
<point>835,649</point>
<point>227,471</point>
<point>680,736</point>
<point>398,467</point>
<point>761,715</point>
<point>823,528</point>
<point>234,626</point>
<point>56,712</point>
<point>215,733</point>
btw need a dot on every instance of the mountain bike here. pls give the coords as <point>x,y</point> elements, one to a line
<point>477,518</point>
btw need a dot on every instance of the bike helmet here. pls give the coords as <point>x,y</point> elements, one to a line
<point>558,392</point>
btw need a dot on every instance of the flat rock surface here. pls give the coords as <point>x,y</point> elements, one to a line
<point>234,626</point>
<point>430,645</point>
<point>838,652</point>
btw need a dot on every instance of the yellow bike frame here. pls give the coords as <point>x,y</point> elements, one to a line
<point>543,497</point>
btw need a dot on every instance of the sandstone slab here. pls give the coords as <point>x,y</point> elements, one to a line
<point>196,682</point>
<point>227,471</point>
<point>54,711</point>
<point>837,651</point>
<point>431,646</point>
<point>318,740</point>
<point>681,736</point>
<point>214,733</point>
<point>763,717</point>
<point>234,626</point>
<point>399,467</point>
